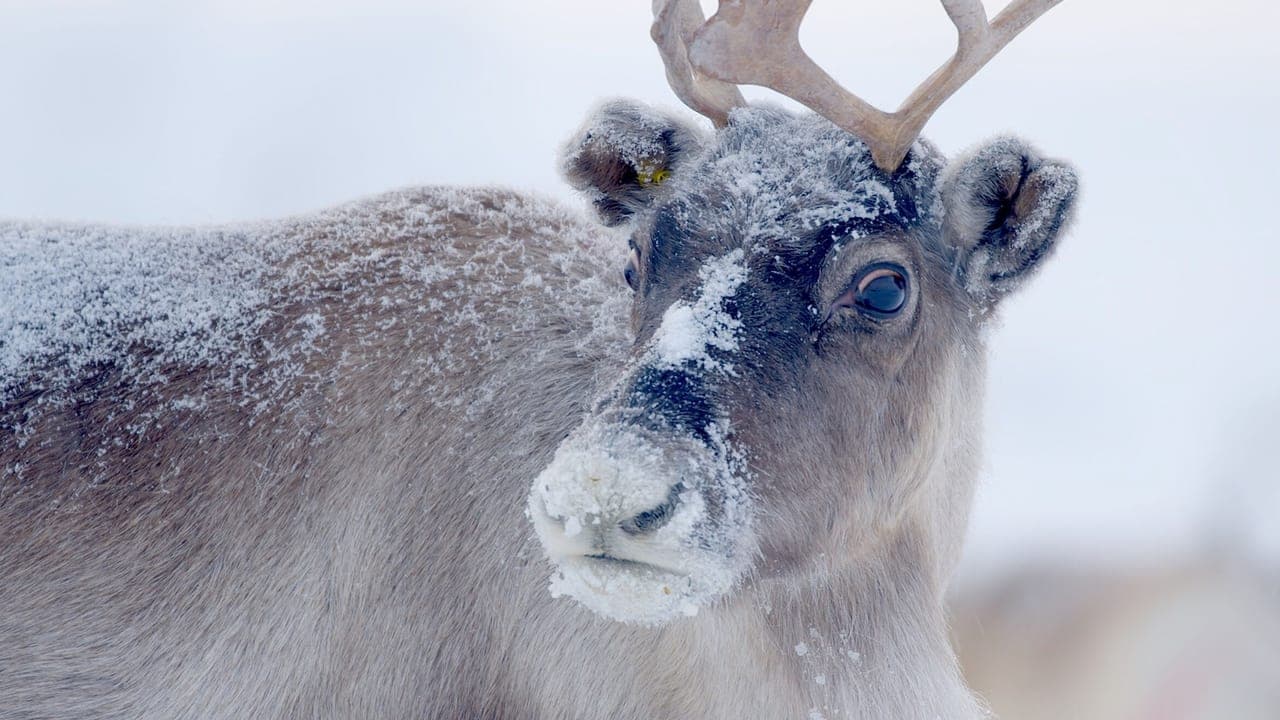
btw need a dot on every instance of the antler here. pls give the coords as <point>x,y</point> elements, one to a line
<point>757,42</point>
<point>674,24</point>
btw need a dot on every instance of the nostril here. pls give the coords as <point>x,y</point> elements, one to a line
<point>654,518</point>
<point>649,520</point>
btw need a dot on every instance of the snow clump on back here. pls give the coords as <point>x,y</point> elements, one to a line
<point>254,315</point>
<point>76,298</point>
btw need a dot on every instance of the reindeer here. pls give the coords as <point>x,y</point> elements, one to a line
<point>414,456</point>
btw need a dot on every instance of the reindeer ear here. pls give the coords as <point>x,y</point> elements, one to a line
<point>624,154</point>
<point>1005,209</point>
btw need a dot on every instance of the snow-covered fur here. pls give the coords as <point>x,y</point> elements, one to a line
<point>288,470</point>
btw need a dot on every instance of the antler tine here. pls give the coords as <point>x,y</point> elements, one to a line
<point>757,42</point>
<point>978,42</point>
<point>674,25</point>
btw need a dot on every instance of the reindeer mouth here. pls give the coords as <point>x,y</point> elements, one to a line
<point>626,590</point>
<point>632,565</point>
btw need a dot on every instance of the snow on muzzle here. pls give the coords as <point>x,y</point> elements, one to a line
<point>642,526</point>
<point>643,509</point>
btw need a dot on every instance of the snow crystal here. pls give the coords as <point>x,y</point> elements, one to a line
<point>802,649</point>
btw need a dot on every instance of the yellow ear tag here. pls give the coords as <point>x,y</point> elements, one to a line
<point>648,175</point>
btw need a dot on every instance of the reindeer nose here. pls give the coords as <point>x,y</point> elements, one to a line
<point>654,518</point>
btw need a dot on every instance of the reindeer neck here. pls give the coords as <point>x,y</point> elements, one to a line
<point>867,642</point>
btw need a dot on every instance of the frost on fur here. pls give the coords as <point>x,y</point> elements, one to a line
<point>693,332</point>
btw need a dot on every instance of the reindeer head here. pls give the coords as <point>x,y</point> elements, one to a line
<point>807,371</point>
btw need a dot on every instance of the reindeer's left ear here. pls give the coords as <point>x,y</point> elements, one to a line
<point>624,154</point>
<point>1005,209</point>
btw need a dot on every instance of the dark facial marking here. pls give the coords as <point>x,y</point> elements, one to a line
<point>672,399</point>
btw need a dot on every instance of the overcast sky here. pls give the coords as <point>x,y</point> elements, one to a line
<point>1134,395</point>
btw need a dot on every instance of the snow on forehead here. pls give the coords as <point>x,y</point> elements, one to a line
<point>690,332</point>
<point>783,175</point>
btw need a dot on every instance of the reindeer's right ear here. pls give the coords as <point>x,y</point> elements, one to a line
<point>623,154</point>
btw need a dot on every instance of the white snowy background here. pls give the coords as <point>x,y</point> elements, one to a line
<point>1134,409</point>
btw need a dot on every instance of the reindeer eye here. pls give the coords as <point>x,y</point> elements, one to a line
<point>632,268</point>
<point>880,291</point>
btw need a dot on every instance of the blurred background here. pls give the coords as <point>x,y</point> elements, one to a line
<point>1124,557</point>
